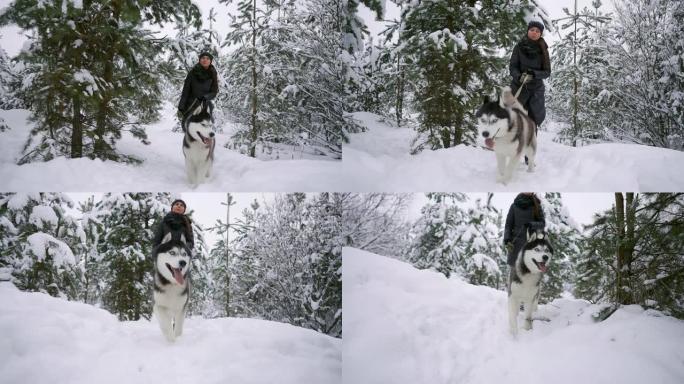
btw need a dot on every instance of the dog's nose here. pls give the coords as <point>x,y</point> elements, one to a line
<point>545,258</point>
<point>211,134</point>
<point>182,263</point>
<point>485,134</point>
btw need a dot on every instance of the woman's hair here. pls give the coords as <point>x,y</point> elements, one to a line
<point>546,65</point>
<point>536,211</point>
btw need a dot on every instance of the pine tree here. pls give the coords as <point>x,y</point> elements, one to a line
<point>37,237</point>
<point>126,249</point>
<point>483,251</point>
<point>435,245</point>
<point>633,254</point>
<point>453,46</point>
<point>581,69</point>
<point>565,239</point>
<point>287,256</point>
<point>92,71</point>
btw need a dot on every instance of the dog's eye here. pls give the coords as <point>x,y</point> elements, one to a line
<point>172,253</point>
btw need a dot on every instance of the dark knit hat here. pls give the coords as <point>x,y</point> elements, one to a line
<point>535,23</point>
<point>179,201</point>
<point>210,56</point>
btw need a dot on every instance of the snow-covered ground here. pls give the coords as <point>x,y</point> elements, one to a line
<point>163,168</point>
<point>49,340</point>
<point>379,160</point>
<point>403,325</point>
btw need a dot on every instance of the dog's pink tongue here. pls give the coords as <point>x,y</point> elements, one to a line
<point>542,266</point>
<point>178,275</point>
<point>489,142</point>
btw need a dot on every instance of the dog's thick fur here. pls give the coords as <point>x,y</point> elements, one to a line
<point>198,144</point>
<point>171,284</point>
<point>524,281</point>
<point>506,126</point>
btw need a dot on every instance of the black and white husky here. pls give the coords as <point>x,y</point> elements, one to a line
<point>509,132</point>
<point>198,144</point>
<point>171,284</point>
<point>524,280</point>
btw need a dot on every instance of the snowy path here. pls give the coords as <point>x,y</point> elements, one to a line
<point>403,325</point>
<point>162,170</point>
<point>48,340</point>
<point>379,160</point>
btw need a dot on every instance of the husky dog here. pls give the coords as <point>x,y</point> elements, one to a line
<point>198,144</point>
<point>509,131</point>
<point>171,284</point>
<point>524,280</point>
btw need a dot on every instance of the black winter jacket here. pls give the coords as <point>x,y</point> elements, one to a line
<point>176,224</point>
<point>520,215</point>
<point>199,83</point>
<point>530,55</point>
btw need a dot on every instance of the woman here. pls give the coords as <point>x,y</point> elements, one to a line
<point>201,84</point>
<point>529,66</point>
<point>176,223</point>
<point>525,211</point>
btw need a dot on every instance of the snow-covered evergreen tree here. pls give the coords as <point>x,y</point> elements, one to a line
<point>436,234</point>
<point>38,237</point>
<point>566,240</point>
<point>581,74</point>
<point>647,92</point>
<point>635,257</point>
<point>126,247</point>
<point>483,252</point>
<point>453,49</point>
<point>91,72</point>
<point>287,262</point>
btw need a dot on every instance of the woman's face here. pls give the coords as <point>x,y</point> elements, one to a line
<point>178,207</point>
<point>534,33</point>
<point>204,62</point>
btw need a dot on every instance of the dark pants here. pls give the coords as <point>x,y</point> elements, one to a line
<point>532,99</point>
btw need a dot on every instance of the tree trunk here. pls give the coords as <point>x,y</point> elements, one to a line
<point>77,129</point>
<point>630,211</point>
<point>620,241</point>
<point>252,148</point>
<point>400,92</point>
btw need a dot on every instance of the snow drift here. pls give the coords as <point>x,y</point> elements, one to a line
<point>379,160</point>
<point>404,325</point>
<point>163,168</point>
<point>49,340</point>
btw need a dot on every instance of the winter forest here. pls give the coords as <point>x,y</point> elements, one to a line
<point>281,263</point>
<point>629,254</point>
<point>616,76</point>
<point>93,71</point>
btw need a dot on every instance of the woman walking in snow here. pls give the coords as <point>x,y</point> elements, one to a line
<point>529,66</point>
<point>201,84</point>
<point>525,212</point>
<point>176,223</point>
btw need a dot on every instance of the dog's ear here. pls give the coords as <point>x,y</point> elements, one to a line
<point>166,238</point>
<point>182,238</point>
<point>198,109</point>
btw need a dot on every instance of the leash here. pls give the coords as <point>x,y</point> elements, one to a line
<point>526,78</point>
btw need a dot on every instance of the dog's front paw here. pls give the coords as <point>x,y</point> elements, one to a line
<point>528,324</point>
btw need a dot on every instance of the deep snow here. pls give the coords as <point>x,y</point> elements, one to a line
<point>380,160</point>
<point>403,325</point>
<point>49,340</point>
<point>163,168</point>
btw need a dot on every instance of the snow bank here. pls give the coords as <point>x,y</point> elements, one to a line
<point>404,325</point>
<point>163,168</point>
<point>380,160</point>
<point>48,340</point>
